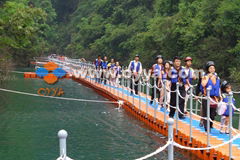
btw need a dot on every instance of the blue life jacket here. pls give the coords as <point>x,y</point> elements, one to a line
<point>189,76</point>
<point>226,100</point>
<point>138,66</point>
<point>157,70</point>
<point>175,75</point>
<point>112,65</point>
<point>98,63</point>
<point>118,70</point>
<point>164,76</point>
<point>104,64</point>
<point>215,88</point>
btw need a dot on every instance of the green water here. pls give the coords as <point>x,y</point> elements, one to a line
<point>29,126</point>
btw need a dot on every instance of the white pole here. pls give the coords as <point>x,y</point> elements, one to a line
<point>170,138</point>
<point>196,110</point>
<point>62,135</point>
<point>177,106</point>
<point>165,102</point>
<point>122,86</point>
<point>191,107</point>
<point>139,91</point>
<point>155,94</point>
<point>129,90</point>
<point>147,93</point>
<point>132,91</point>
<point>239,121</point>
<point>208,116</point>
<point>230,123</point>
<point>118,87</point>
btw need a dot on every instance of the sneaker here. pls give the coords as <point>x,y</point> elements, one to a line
<point>227,132</point>
<point>182,117</point>
<point>211,126</point>
<point>209,130</point>
<point>151,102</point>
<point>221,131</point>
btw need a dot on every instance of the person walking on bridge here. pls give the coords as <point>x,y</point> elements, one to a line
<point>135,67</point>
<point>104,69</point>
<point>118,71</point>
<point>177,75</point>
<point>226,89</point>
<point>190,76</point>
<point>104,63</point>
<point>156,72</point>
<point>213,81</point>
<point>98,65</point>
<point>111,66</point>
<point>165,74</point>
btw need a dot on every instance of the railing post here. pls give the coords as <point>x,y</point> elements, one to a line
<point>170,138</point>
<point>230,123</point>
<point>196,109</point>
<point>208,116</point>
<point>177,106</point>
<point>147,93</point>
<point>101,79</point>
<point>125,83</point>
<point>239,121</point>
<point>122,86</point>
<point>132,91</point>
<point>62,135</point>
<point>190,114</point>
<point>105,81</point>
<point>139,97</point>
<point>89,78</point>
<point>118,87</point>
<point>155,90</point>
<point>114,87</point>
<point>165,102</point>
<point>110,85</point>
<point>128,86</point>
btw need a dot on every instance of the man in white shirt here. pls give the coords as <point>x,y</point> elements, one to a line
<point>136,68</point>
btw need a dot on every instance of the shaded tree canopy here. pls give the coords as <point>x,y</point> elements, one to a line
<point>203,29</point>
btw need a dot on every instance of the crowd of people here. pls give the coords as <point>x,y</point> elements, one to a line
<point>173,75</point>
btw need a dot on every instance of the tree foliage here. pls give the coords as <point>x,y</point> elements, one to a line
<point>23,30</point>
<point>203,29</point>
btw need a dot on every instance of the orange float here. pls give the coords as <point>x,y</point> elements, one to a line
<point>50,78</point>
<point>50,66</point>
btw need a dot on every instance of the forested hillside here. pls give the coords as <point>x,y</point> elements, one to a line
<point>203,29</point>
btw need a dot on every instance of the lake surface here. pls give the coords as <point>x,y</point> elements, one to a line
<point>97,131</point>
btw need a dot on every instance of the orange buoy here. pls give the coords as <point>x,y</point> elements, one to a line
<point>50,78</point>
<point>50,66</point>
